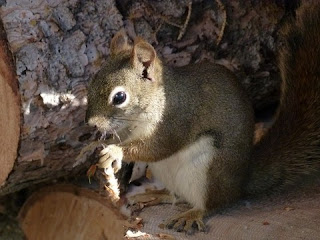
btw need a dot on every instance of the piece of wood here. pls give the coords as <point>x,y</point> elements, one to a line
<point>9,109</point>
<point>70,212</point>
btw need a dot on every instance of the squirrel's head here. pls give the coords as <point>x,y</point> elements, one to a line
<point>126,98</point>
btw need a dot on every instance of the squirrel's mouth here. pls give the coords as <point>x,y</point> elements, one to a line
<point>113,135</point>
<point>107,134</point>
<point>104,135</point>
<point>113,129</point>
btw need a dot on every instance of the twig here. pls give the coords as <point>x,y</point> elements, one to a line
<point>184,27</point>
<point>224,23</point>
<point>149,10</point>
<point>166,20</point>
<point>154,34</point>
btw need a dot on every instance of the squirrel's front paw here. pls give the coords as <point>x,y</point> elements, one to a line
<point>110,159</point>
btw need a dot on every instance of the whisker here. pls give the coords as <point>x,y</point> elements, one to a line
<point>128,132</point>
<point>129,119</point>
<point>117,135</point>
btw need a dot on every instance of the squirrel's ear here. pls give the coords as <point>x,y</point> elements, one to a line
<point>119,43</point>
<point>144,57</point>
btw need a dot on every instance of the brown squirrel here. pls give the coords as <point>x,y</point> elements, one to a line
<point>194,124</point>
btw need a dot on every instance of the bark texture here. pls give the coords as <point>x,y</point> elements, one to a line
<point>58,46</point>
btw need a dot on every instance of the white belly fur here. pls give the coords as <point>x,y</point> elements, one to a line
<point>185,172</point>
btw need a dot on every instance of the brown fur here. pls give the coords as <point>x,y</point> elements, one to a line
<point>291,149</point>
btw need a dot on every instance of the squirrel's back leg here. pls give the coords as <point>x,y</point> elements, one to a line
<point>197,174</point>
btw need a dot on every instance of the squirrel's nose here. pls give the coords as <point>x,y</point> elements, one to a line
<point>94,121</point>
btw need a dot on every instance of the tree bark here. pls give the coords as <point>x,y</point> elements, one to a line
<point>58,46</point>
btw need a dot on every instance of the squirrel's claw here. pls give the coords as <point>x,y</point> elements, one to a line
<point>187,221</point>
<point>110,159</point>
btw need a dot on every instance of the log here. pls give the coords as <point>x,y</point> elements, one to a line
<point>9,108</point>
<point>70,212</point>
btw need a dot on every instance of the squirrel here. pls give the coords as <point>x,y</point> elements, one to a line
<point>194,125</point>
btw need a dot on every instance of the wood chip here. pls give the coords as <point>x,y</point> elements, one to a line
<point>148,174</point>
<point>132,234</point>
<point>165,236</point>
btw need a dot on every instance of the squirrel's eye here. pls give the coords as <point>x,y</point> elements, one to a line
<point>119,97</point>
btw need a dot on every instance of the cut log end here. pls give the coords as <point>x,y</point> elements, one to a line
<point>9,109</point>
<point>69,212</point>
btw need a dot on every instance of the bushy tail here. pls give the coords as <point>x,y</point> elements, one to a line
<point>290,151</point>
